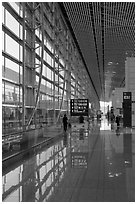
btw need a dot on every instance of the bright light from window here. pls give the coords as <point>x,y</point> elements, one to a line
<point>104,106</point>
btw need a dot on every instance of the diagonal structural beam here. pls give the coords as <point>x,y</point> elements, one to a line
<point>41,66</point>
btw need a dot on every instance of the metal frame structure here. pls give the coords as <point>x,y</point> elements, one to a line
<point>51,68</point>
<point>41,45</point>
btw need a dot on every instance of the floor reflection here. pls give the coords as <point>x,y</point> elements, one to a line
<point>85,165</point>
<point>128,149</point>
<point>79,159</point>
<point>105,125</point>
<point>37,177</point>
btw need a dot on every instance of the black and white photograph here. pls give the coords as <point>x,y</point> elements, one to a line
<point>68,101</point>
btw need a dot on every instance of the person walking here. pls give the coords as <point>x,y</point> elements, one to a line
<point>117,120</point>
<point>65,122</point>
<point>81,119</point>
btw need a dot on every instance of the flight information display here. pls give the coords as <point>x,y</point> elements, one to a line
<point>79,107</point>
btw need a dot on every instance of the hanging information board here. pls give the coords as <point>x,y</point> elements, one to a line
<point>127,97</point>
<point>127,109</point>
<point>79,107</point>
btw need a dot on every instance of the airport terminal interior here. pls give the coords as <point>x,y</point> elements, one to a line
<point>68,102</point>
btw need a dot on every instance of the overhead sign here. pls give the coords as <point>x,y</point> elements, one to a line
<point>79,107</point>
<point>127,109</point>
<point>126,96</point>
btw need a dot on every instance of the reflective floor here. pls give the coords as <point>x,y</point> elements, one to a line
<point>94,164</point>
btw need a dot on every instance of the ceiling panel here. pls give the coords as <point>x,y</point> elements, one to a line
<point>105,34</point>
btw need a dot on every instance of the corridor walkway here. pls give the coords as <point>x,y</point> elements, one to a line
<point>87,164</point>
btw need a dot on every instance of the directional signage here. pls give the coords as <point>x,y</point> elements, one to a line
<point>79,107</point>
<point>127,109</point>
<point>127,96</point>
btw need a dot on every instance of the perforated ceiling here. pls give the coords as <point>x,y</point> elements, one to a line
<point>105,34</point>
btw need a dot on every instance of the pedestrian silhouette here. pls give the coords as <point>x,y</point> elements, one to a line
<point>81,119</point>
<point>65,122</point>
<point>117,120</point>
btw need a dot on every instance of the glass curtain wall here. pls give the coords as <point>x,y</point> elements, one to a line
<point>35,53</point>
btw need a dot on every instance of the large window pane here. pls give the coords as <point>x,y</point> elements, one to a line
<point>12,70</point>
<point>3,41</point>
<point>12,23</point>
<point>49,88</point>
<point>15,6</point>
<point>49,73</point>
<point>49,46</point>
<point>12,94</point>
<point>49,61</point>
<point>12,65</point>
<point>61,82</point>
<point>3,93</point>
<point>37,62</point>
<point>12,47</point>
<point>44,73</point>
<point>3,14</point>
<point>62,72</point>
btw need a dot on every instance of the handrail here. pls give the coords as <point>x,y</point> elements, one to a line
<point>19,132</point>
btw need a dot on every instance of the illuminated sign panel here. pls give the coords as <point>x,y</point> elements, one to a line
<point>127,109</point>
<point>79,107</point>
<point>126,96</point>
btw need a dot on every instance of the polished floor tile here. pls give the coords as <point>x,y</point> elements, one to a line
<point>95,164</point>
